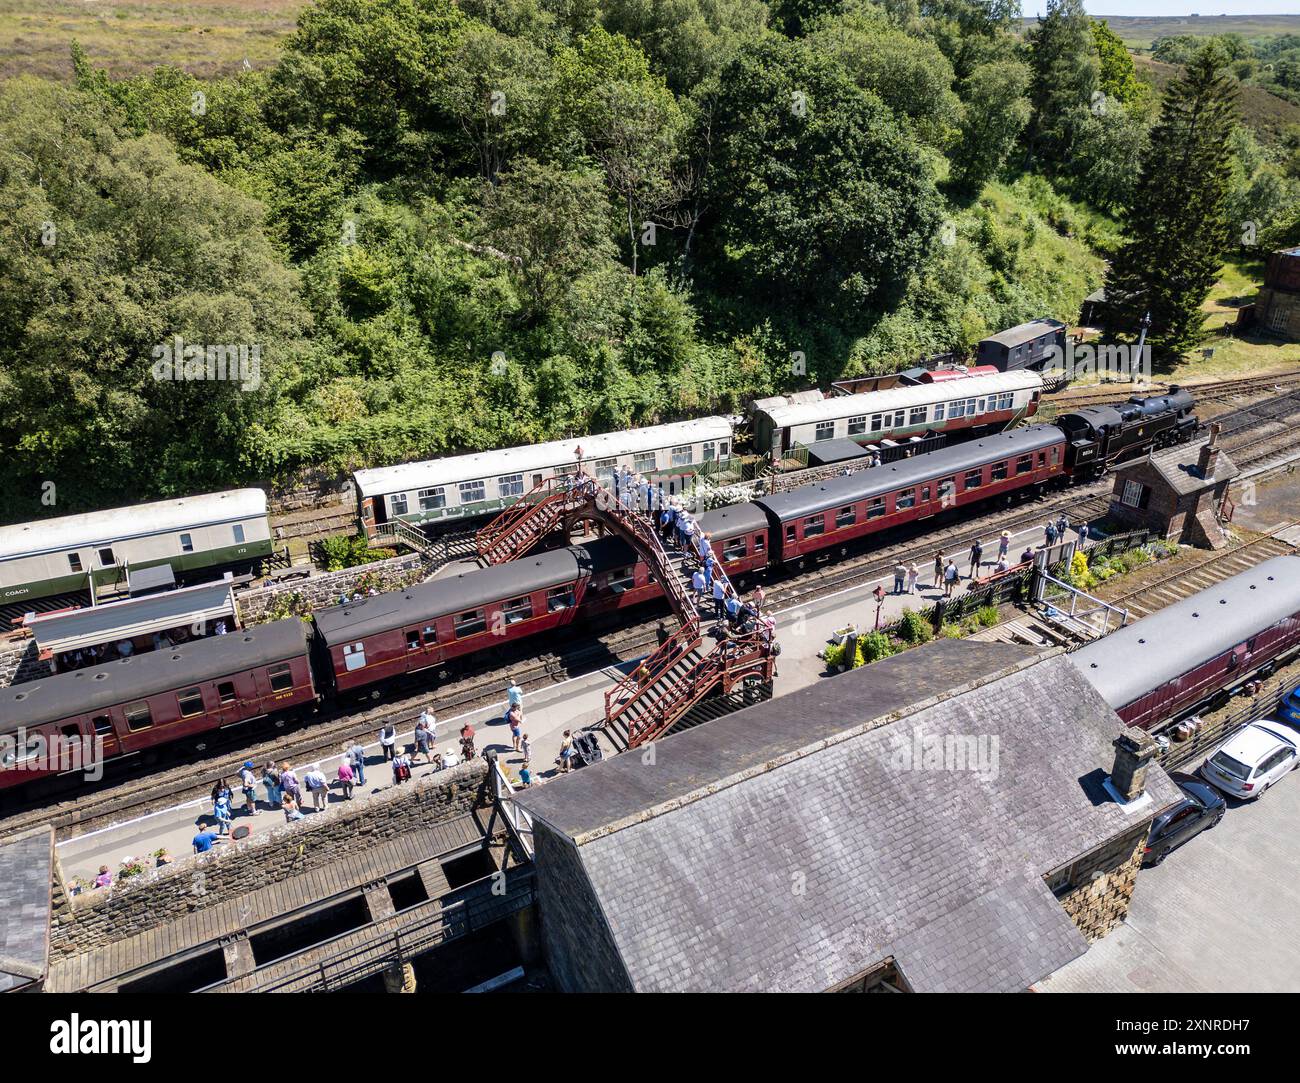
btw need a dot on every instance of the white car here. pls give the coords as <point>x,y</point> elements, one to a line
<point>1252,760</point>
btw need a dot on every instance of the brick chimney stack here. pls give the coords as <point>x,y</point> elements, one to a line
<point>1210,453</point>
<point>1134,751</point>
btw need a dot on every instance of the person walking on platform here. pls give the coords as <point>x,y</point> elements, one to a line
<point>515,717</point>
<point>950,577</point>
<point>913,574</point>
<point>317,786</point>
<point>514,695</point>
<point>220,789</point>
<point>248,783</point>
<point>938,567</point>
<point>289,782</point>
<point>719,596</point>
<point>566,752</point>
<point>346,780</point>
<point>1004,544</point>
<point>698,584</point>
<point>900,576</point>
<point>401,767</point>
<point>357,757</point>
<point>1062,525</point>
<point>526,748</point>
<point>758,598</point>
<point>387,740</point>
<point>221,809</point>
<point>976,555</point>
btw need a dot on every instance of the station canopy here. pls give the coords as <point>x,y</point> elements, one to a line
<point>76,629</point>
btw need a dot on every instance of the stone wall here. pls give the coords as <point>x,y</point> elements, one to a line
<point>1102,882</point>
<point>195,882</point>
<point>578,946</point>
<point>310,489</point>
<point>21,662</point>
<point>319,591</point>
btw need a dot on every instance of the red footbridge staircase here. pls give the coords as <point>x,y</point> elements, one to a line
<point>674,685</point>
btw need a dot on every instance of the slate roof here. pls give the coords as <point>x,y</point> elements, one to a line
<point>1025,332</point>
<point>1178,466</point>
<point>26,869</point>
<point>789,847</point>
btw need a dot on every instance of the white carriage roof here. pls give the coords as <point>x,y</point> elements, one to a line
<point>871,402</point>
<point>407,477</point>
<point>119,524</point>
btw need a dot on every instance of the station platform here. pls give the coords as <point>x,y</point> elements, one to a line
<point>803,631</point>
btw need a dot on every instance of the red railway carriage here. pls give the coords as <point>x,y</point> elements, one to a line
<point>153,699</point>
<point>1182,657</point>
<point>409,630</point>
<point>813,518</point>
<point>739,535</point>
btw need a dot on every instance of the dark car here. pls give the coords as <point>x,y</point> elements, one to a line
<point>1202,806</point>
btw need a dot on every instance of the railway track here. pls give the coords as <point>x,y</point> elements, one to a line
<point>1205,390</point>
<point>325,733</point>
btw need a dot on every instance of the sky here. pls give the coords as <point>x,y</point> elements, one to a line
<point>1177,7</point>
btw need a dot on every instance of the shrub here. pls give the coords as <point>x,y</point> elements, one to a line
<point>873,647</point>
<point>948,630</point>
<point>834,655</point>
<point>914,628</point>
<point>987,616</point>
<point>347,551</point>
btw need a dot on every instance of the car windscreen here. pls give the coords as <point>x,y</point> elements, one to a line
<point>1229,766</point>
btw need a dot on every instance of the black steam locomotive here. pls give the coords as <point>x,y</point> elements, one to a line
<point>1100,436</point>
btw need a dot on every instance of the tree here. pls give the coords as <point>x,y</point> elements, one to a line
<point>550,224</point>
<point>1117,78</point>
<point>814,197</point>
<point>1178,232</point>
<point>996,112</point>
<point>1065,73</point>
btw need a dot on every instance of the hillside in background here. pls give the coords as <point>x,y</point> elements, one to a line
<point>1266,114</point>
<point>1139,31</point>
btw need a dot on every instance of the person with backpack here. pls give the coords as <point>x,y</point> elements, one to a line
<point>248,782</point>
<point>271,780</point>
<point>401,768</point>
<point>467,742</point>
<point>289,783</point>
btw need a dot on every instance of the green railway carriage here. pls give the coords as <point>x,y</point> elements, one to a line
<point>196,535</point>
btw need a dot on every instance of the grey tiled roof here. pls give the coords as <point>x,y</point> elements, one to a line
<point>1177,466</point>
<point>25,876</point>
<point>801,869</point>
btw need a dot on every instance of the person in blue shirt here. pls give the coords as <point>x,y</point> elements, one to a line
<point>203,841</point>
<point>525,776</point>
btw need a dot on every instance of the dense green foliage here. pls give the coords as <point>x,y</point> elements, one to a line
<point>448,226</point>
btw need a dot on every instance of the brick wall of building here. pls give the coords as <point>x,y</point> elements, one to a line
<point>194,882</point>
<point>1102,883</point>
<point>21,662</point>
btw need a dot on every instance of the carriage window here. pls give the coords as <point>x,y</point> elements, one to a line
<point>138,717</point>
<point>238,532</point>
<point>999,472</point>
<point>825,430</point>
<point>33,748</point>
<point>517,609</point>
<point>1042,458</point>
<point>103,725</point>
<point>471,623</point>
<point>472,491</point>
<point>899,415</point>
<point>510,485</point>
<point>815,524</point>
<point>187,543</point>
<point>876,508</point>
<point>682,456</point>
<point>432,499</point>
<point>857,425</point>
<point>790,534</point>
<point>1006,400</point>
<point>970,406</point>
<point>354,656</point>
<point>397,502</point>
<point>430,635</point>
<point>74,562</point>
<point>1055,453</point>
<point>1024,464</point>
<point>710,451</point>
<point>947,491</point>
<point>760,541</point>
<point>226,692</point>
<point>605,470</point>
<point>623,579</point>
<point>734,549</point>
<point>281,677</point>
<point>846,517</point>
<point>957,409</point>
<point>974,479</point>
<point>918,415</point>
<point>938,411</point>
<point>191,702</point>
<point>412,639</point>
<point>877,422</point>
<point>981,408</point>
<point>905,499</point>
<point>643,462</point>
<point>559,598</point>
<point>106,558</point>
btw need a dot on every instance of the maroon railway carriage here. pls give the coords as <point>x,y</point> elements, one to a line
<point>813,518</point>
<point>1187,654</point>
<point>738,535</point>
<point>427,625</point>
<point>155,698</point>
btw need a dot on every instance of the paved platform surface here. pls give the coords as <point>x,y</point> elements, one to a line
<point>802,630</point>
<point>1218,915</point>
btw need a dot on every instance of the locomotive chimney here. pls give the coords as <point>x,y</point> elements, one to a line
<point>1134,751</point>
<point>1209,453</point>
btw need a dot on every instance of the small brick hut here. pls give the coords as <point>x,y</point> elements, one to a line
<point>1277,309</point>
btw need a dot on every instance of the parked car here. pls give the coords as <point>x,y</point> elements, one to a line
<point>1253,759</point>
<point>1202,807</point>
<point>1289,708</point>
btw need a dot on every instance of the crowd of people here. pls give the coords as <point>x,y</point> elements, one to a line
<point>97,654</point>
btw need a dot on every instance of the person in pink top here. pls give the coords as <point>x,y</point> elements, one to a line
<point>345,778</point>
